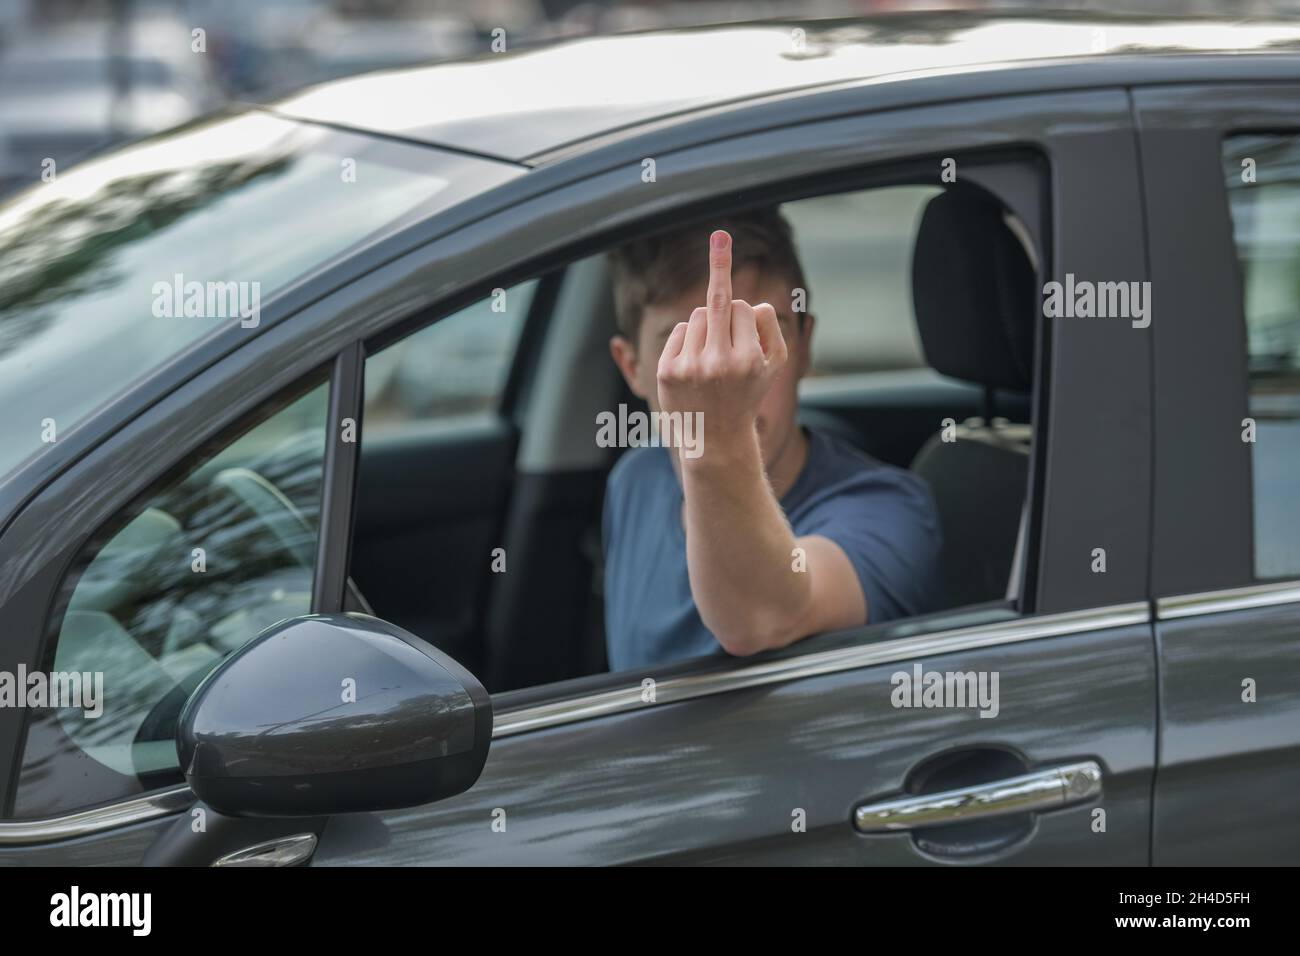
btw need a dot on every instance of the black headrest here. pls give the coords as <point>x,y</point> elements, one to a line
<point>974,292</point>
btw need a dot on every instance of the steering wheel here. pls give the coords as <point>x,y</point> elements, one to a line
<point>291,530</point>
<point>281,516</point>
<point>275,511</point>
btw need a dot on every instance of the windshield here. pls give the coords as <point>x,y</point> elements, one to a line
<point>114,268</point>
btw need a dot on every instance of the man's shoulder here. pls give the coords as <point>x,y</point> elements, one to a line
<point>634,462</point>
<point>636,467</point>
<point>843,470</point>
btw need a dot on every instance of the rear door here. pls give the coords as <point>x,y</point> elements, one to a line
<point>1222,185</point>
<point>804,756</point>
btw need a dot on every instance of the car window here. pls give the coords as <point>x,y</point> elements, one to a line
<point>435,447</point>
<point>490,537</point>
<point>1263,178</point>
<point>166,591</point>
<point>456,367</point>
<point>120,264</point>
<point>856,250</point>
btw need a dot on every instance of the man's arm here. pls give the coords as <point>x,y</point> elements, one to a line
<point>739,547</point>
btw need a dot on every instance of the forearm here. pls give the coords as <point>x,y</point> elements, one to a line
<point>739,550</point>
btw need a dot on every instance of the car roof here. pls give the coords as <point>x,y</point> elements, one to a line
<point>524,103</point>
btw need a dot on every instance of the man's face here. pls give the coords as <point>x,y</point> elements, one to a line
<point>777,412</point>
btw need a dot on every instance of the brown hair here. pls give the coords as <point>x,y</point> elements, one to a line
<point>663,267</point>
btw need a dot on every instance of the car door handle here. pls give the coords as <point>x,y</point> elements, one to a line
<point>1028,793</point>
<point>286,851</point>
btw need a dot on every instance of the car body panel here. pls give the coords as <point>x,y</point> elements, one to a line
<point>718,779</point>
<point>1229,765</point>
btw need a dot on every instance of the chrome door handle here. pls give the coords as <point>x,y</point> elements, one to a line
<point>1040,790</point>
<point>286,851</point>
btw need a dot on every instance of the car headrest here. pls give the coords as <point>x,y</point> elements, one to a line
<point>974,292</point>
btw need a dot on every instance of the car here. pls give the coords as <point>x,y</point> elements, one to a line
<point>321,608</point>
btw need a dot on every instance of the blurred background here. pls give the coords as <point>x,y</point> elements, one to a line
<point>77,76</point>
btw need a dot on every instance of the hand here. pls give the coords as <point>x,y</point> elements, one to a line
<point>722,362</point>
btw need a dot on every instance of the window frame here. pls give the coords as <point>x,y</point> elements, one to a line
<point>996,170</point>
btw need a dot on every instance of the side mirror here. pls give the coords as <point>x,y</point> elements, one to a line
<point>333,713</point>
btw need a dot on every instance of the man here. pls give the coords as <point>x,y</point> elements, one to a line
<point>768,533</point>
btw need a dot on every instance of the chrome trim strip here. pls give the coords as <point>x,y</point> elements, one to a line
<point>1027,793</point>
<point>689,687</point>
<point>1228,599</point>
<point>85,822</point>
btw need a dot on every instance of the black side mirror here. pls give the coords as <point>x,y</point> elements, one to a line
<point>333,713</point>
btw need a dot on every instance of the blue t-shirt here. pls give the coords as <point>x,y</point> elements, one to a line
<point>882,517</point>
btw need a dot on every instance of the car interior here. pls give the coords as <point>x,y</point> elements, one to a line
<point>435,501</point>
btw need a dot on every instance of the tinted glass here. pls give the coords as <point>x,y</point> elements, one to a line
<point>164,593</point>
<point>98,269</point>
<point>458,366</point>
<point>1263,177</point>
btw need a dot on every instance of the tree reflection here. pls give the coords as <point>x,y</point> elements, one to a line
<point>65,248</point>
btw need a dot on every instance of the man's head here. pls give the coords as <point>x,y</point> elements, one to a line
<point>660,280</point>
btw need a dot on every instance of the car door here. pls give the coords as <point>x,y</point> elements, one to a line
<point>805,755</point>
<point>1221,172</point>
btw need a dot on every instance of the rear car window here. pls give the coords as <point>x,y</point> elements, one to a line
<point>1263,179</point>
<point>856,249</point>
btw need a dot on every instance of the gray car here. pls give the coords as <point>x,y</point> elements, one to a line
<point>300,497</point>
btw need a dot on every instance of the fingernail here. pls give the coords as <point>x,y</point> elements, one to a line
<point>719,240</point>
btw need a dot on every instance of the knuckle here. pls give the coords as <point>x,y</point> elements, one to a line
<point>713,367</point>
